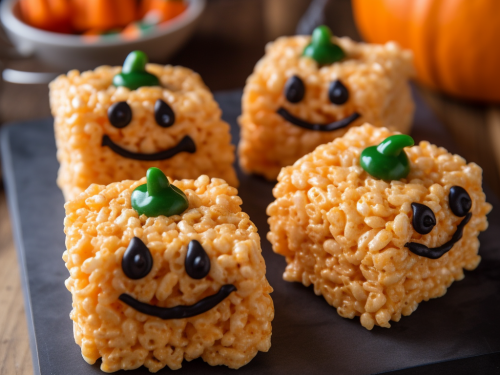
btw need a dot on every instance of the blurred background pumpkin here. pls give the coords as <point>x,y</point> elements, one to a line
<point>50,15</point>
<point>96,16</point>
<point>164,9</point>
<point>455,42</point>
<point>101,15</point>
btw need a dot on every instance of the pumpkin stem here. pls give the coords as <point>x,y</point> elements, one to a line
<point>157,182</point>
<point>322,36</point>
<point>158,196</point>
<point>134,74</point>
<point>135,62</point>
<point>321,47</point>
<point>388,160</point>
<point>393,145</point>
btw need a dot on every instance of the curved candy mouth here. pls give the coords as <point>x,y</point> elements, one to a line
<point>185,145</point>
<point>438,252</point>
<point>179,312</point>
<point>319,127</point>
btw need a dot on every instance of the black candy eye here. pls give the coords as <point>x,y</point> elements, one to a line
<point>294,89</point>
<point>137,260</point>
<point>423,218</point>
<point>460,202</point>
<point>120,114</point>
<point>164,115</point>
<point>338,93</point>
<point>197,262</point>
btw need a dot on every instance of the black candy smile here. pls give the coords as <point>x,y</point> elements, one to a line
<point>319,127</point>
<point>438,252</point>
<point>179,312</point>
<point>185,145</point>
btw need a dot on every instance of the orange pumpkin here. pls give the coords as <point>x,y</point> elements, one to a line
<point>50,15</point>
<point>455,42</point>
<point>102,15</point>
<point>78,15</point>
<point>167,9</point>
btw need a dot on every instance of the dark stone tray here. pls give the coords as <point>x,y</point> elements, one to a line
<point>458,333</point>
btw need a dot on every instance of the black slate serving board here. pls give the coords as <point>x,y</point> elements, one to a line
<point>458,333</point>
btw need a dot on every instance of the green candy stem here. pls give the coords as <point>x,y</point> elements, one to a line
<point>134,74</point>
<point>322,49</point>
<point>388,160</point>
<point>158,197</point>
<point>135,62</point>
<point>156,181</point>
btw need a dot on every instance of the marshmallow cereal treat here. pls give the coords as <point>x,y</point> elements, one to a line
<point>164,271</point>
<point>378,226</point>
<point>307,91</point>
<point>113,123</point>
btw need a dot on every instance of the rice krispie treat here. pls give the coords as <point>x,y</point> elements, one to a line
<point>377,242</point>
<point>308,91</point>
<point>161,272</point>
<point>112,124</point>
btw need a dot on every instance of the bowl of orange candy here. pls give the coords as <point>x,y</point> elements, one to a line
<point>83,34</point>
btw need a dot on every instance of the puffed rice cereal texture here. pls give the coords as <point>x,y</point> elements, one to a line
<point>79,104</point>
<point>376,77</point>
<point>99,226</point>
<point>345,232</point>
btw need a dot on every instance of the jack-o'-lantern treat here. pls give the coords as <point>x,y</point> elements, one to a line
<point>114,123</point>
<point>164,271</point>
<point>378,226</point>
<point>307,91</point>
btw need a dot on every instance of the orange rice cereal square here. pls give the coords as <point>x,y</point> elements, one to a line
<point>349,234</point>
<point>136,300</point>
<point>288,109</point>
<point>90,149</point>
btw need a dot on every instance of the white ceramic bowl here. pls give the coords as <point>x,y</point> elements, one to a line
<point>65,52</point>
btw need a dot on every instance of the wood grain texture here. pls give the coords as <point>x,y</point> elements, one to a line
<point>468,124</point>
<point>493,123</point>
<point>15,355</point>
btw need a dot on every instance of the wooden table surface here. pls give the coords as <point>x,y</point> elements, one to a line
<point>237,42</point>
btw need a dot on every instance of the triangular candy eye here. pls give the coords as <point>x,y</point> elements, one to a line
<point>338,93</point>
<point>137,260</point>
<point>120,114</point>
<point>197,262</point>
<point>423,218</point>
<point>164,115</point>
<point>459,201</point>
<point>294,89</point>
